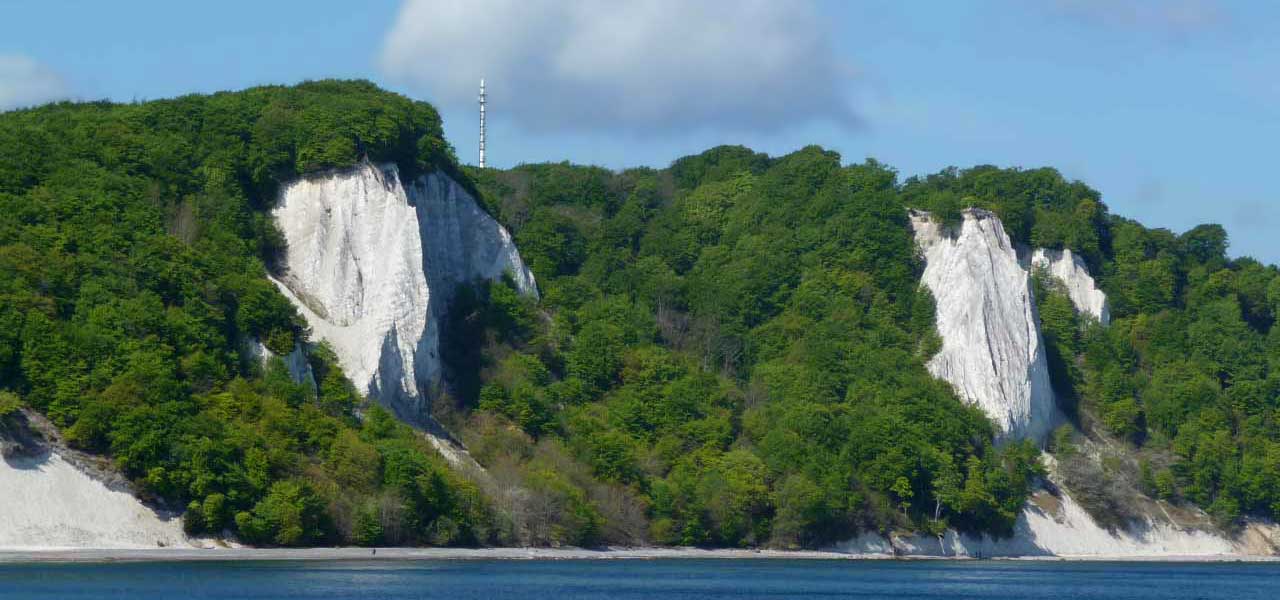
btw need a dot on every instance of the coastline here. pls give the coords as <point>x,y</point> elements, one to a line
<point>118,555</point>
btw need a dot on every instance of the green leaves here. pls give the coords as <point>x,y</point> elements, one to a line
<point>551,244</point>
<point>292,514</point>
<point>730,351</point>
<point>133,240</point>
<point>754,365</point>
<point>9,404</point>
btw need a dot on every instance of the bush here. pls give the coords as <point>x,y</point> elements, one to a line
<point>292,514</point>
<point>10,403</point>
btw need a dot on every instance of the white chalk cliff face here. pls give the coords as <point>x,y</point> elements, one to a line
<point>54,497</point>
<point>1052,523</point>
<point>1059,526</point>
<point>372,263</point>
<point>46,503</point>
<point>1067,267</point>
<point>992,352</point>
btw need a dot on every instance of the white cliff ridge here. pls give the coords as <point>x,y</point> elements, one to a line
<point>372,263</point>
<point>991,352</point>
<point>1067,267</point>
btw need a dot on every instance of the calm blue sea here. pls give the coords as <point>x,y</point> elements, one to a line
<point>625,579</point>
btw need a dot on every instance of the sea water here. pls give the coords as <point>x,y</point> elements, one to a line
<point>626,579</point>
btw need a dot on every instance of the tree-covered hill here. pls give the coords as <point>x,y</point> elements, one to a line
<point>1186,374</point>
<point>740,340</point>
<point>133,239</point>
<point>729,351</point>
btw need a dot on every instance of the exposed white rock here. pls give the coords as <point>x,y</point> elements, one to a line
<point>1061,527</point>
<point>1054,524</point>
<point>1067,267</point>
<point>295,361</point>
<point>372,263</point>
<point>461,242</point>
<point>1070,531</point>
<point>45,502</point>
<point>992,352</point>
<point>299,367</point>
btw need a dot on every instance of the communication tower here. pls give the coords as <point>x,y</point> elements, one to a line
<point>481,123</point>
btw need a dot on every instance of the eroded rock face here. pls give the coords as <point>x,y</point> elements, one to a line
<point>54,497</point>
<point>1058,526</point>
<point>47,503</point>
<point>372,264</point>
<point>1067,267</point>
<point>1053,523</point>
<point>992,351</point>
<point>295,361</point>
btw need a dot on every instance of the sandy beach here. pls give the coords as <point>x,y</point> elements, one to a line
<point>391,554</point>
<point>409,554</point>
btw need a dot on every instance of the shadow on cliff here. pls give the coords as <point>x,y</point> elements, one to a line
<point>20,446</point>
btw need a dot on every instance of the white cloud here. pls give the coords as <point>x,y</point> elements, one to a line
<point>645,65</point>
<point>24,82</point>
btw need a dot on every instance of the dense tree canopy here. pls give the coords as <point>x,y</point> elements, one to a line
<point>132,249</point>
<point>729,351</point>
<point>1184,373</point>
<point>740,341</point>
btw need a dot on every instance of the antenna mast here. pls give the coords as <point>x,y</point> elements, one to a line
<point>481,123</point>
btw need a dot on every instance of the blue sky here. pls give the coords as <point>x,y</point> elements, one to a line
<point>1170,109</point>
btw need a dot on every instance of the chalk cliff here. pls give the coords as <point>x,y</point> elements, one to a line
<point>1068,268</point>
<point>372,263</point>
<point>1056,525</point>
<point>54,497</point>
<point>992,351</point>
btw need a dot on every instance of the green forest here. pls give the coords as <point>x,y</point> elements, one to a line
<point>729,351</point>
<point>134,244</point>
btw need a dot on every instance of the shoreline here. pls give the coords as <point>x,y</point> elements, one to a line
<point>129,555</point>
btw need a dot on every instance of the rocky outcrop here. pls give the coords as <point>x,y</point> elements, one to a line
<point>372,263</point>
<point>1068,268</point>
<point>992,352</point>
<point>295,361</point>
<point>45,502</point>
<point>1053,524</point>
<point>54,497</point>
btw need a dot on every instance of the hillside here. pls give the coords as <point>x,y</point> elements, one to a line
<point>736,350</point>
<point>133,249</point>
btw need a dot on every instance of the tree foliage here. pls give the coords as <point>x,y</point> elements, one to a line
<point>1185,373</point>
<point>730,351</point>
<point>740,342</point>
<point>133,245</point>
